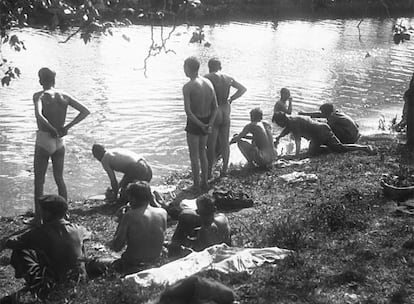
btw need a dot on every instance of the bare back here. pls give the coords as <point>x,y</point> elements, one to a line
<point>145,231</point>
<point>119,160</point>
<point>53,106</point>
<point>222,84</point>
<point>199,96</point>
<point>262,135</point>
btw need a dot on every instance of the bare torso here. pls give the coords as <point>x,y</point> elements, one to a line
<point>201,96</point>
<point>262,136</point>
<point>119,160</point>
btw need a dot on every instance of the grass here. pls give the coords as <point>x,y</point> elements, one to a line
<point>349,247</point>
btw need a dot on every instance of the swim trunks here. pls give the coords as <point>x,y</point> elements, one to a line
<point>48,143</point>
<point>194,129</point>
<point>138,171</point>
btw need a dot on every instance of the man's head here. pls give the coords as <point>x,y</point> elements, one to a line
<point>206,209</point>
<point>256,114</point>
<point>326,109</point>
<point>214,65</point>
<point>47,77</point>
<point>284,94</point>
<point>53,207</point>
<point>139,194</point>
<point>191,66</point>
<point>98,151</point>
<point>280,119</point>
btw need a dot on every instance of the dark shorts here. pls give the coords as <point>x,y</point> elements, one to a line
<point>138,171</point>
<point>326,138</point>
<point>194,129</point>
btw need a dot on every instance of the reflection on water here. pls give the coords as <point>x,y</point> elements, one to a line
<point>319,61</point>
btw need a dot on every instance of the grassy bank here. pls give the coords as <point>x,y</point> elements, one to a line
<point>350,246</point>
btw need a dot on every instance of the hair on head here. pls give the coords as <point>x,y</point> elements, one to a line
<point>192,64</point>
<point>56,205</point>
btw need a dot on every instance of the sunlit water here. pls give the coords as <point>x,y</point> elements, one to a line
<point>363,73</point>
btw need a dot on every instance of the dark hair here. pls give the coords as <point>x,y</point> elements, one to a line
<point>256,114</point>
<point>280,118</point>
<point>192,64</point>
<point>326,108</point>
<point>140,191</point>
<point>214,65</point>
<point>47,77</point>
<point>205,205</point>
<point>56,205</point>
<point>98,151</point>
<point>284,90</point>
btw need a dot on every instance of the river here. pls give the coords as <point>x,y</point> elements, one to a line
<point>360,70</point>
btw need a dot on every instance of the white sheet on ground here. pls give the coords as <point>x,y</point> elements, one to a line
<point>218,257</point>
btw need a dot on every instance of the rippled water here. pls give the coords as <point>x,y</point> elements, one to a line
<point>362,72</point>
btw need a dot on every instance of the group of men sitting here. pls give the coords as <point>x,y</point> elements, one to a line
<point>53,252</point>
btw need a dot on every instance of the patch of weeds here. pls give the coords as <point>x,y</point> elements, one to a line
<point>399,296</point>
<point>349,275</point>
<point>347,212</point>
<point>287,232</point>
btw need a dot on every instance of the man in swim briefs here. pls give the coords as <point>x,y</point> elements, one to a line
<point>218,140</point>
<point>50,110</point>
<point>134,167</point>
<point>260,152</point>
<point>200,105</point>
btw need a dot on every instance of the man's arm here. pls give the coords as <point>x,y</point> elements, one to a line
<point>214,107</point>
<point>112,177</point>
<point>312,114</point>
<point>187,108</point>
<point>120,238</point>
<point>39,116</point>
<point>242,134</point>
<point>83,113</point>
<point>241,89</point>
<point>289,109</point>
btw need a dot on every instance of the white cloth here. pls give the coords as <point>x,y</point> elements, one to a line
<point>218,257</point>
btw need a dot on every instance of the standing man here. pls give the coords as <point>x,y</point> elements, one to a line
<point>131,164</point>
<point>141,229</point>
<point>260,152</point>
<point>218,140</point>
<point>200,105</point>
<point>50,110</point>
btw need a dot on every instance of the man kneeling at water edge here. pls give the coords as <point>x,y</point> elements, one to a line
<point>260,151</point>
<point>319,134</point>
<point>141,229</point>
<point>131,164</point>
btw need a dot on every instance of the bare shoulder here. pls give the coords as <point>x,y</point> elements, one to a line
<point>37,95</point>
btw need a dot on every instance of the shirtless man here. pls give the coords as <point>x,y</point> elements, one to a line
<point>261,151</point>
<point>131,164</point>
<point>199,229</point>
<point>343,126</point>
<point>284,104</point>
<point>200,105</point>
<point>218,139</point>
<point>50,110</point>
<point>142,230</point>
<point>319,134</point>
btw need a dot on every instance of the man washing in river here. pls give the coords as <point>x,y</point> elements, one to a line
<point>200,105</point>
<point>133,166</point>
<point>51,107</point>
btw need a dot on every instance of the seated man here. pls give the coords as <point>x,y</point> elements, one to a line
<point>260,152</point>
<point>319,134</point>
<point>52,252</point>
<point>141,229</point>
<point>199,229</point>
<point>343,126</point>
<point>131,164</point>
<point>284,104</point>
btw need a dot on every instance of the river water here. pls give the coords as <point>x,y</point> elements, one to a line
<point>360,70</point>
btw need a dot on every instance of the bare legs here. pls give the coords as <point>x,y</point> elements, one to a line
<point>41,161</point>
<point>247,150</point>
<point>198,157</point>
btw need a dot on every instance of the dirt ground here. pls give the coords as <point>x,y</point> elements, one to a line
<point>351,243</point>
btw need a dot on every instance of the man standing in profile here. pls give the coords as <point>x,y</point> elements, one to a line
<point>200,105</point>
<point>51,107</point>
<point>218,139</point>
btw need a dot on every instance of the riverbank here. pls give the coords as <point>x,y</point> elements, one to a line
<point>350,245</point>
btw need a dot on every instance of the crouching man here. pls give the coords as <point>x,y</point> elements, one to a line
<point>199,229</point>
<point>141,229</point>
<point>50,253</point>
